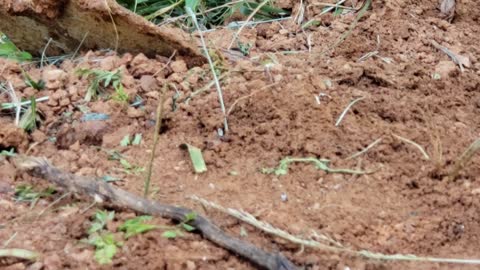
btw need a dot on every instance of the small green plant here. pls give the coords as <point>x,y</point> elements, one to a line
<point>136,226</point>
<point>177,230</point>
<point>37,85</point>
<point>120,95</point>
<point>9,153</point>
<point>125,141</point>
<point>26,193</point>
<point>29,119</point>
<point>103,241</point>
<point>105,247</point>
<point>100,221</point>
<point>100,79</point>
<point>129,168</point>
<point>10,51</point>
<point>244,48</point>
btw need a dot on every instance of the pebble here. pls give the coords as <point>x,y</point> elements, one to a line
<point>445,69</point>
<point>179,66</point>
<point>148,83</point>
<point>135,113</point>
<point>54,79</point>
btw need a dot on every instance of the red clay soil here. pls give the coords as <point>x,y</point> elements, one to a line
<point>407,205</point>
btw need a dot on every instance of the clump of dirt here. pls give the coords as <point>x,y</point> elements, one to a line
<point>284,99</point>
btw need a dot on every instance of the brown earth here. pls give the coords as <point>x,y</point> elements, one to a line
<point>407,205</point>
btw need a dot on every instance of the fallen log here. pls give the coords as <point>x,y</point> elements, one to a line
<point>105,192</point>
<point>91,24</point>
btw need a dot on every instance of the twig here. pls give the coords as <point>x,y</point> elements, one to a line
<point>6,243</point>
<point>79,46</point>
<point>19,253</point>
<point>121,198</point>
<point>53,203</point>
<point>465,158</point>
<point>114,26</point>
<point>212,67</point>
<point>156,135</point>
<point>266,227</point>
<point>340,118</point>
<point>13,104</point>
<point>364,150</point>
<point>43,52</point>
<point>237,34</point>
<point>449,53</point>
<point>420,148</point>
<point>166,65</point>
<point>361,13</point>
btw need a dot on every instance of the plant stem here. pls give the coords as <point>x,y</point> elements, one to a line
<point>156,135</point>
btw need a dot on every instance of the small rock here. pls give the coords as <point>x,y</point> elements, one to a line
<point>75,147</point>
<point>175,77</point>
<point>190,265</point>
<point>108,63</point>
<point>29,92</point>
<point>179,66</point>
<point>52,262</point>
<point>476,191</point>
<point>59,94</point>
<point>445,69</point>
<point>54,79</point>
<point>64,102</point>
<point>319,83</point>
<point>135,113</point>
<point>38,136</point>
<point>148,83</point>
<point>7,172</point>
<point>13,136</point>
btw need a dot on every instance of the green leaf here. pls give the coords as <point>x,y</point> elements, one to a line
<point>126,165</point>
<point>170,234</point>
<point>100,221</point>
<point>125,141</point>
<point>190,217</point>
<point>105,247</point>
<point>197,158</point>
<point>10,153</point>
<point>193,4</point>
<point>10,51</point>
<point>137,139</point>
<point>28,121</point>
<point>136,226</point>
<point>187,227</point>
<point>109,178</point>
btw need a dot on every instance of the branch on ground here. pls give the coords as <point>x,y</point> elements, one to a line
<point>40,167</point>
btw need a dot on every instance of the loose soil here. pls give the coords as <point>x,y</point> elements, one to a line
<point>407,205</point>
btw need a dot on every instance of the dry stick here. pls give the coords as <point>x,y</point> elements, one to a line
<point>340,118</point>
<point>114,26</point>
<point>158,126</point>
<point>361,13</point>
<point>237,34</point>
<point>419,147</point>
<point>19,253</point>
<point>363,151</point>
<point>104,191</point>
<point>449,53</point>
<point>464,158</point>
<point>268,228</point>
